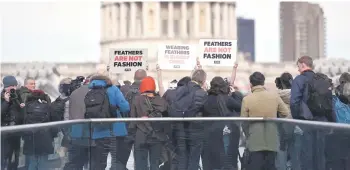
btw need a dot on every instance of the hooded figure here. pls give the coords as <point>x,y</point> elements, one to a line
<point>101,137</point>
<point>149,136</point>
<point>116,98</point>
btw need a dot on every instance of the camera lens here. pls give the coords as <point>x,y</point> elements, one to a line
<point>12,90</point>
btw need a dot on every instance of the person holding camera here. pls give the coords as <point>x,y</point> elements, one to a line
<point>11,114</point>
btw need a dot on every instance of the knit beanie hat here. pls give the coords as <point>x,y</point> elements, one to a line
<point>147,85</point>
<point>9,81</point>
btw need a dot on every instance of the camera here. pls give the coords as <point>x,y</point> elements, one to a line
<point>67,89</point>
<point>76,83</point>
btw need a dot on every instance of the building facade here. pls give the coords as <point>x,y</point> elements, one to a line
<point>246,38</point>
<point>149,24</point>
<point>302,30</point>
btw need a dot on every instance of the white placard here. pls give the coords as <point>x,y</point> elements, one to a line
<point>216,52</point>
<point>177,57</point>
<point>125,60</point>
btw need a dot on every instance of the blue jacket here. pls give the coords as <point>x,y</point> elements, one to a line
<point>117,99</point>
<point>299,97</point>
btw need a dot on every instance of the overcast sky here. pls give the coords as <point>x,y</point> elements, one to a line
<point>70,31</point>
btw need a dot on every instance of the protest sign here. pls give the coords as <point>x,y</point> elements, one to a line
<point>215,52</point>
<point>125,60</point>
<point>178,57</point>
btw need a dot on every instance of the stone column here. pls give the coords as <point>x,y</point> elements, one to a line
<point>170,19</point>
<point>122,24</point>
<point>103,23</point>
<point>133,10</point>
<point>209,21</point>
<point>196,14</point>
<point>217,23</point>
<point>233,22</point>
<point>113,21</point>
<point>184,19</point>
<point>144,19</point>
<point>225,22</point>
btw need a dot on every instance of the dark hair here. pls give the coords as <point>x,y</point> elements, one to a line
<point>286,80</point>
<point>183,81</point>
<point>174,81</point>
<point>344,78</point>
<point>278,83</point>
<point>307,60</point>
<point>127,82</point>
<point>257,79</point>
<point>218,86</point>
<point>140,74</point>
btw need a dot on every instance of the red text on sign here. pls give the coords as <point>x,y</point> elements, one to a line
<point>127,58</point>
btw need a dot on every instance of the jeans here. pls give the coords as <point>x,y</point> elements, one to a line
<point>284,157</point>
<point>262,160</point>
<point>296,147</point>
<point>142,152</point>
<point>10,146</point>
<point>220,146</point>
<point>96,155</point>
<point>38,162</point>
<point>313,150</point>
<point>189,157</point>
<point>120,152</point>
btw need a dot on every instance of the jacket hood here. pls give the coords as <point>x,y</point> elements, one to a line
<point>100,81</point>
<point>285,95</point>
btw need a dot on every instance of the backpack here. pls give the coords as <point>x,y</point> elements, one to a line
<point>319,95</point>
<point>342,111</point>
<point>97,103</point>
<point>57,108</point>
<point>183,105</point>
<point>37,111</point>
<point>131,94</point>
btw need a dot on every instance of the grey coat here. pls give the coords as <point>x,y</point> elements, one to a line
<point>76,103</point>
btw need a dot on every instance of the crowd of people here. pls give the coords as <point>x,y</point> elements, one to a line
<point>180,145</point>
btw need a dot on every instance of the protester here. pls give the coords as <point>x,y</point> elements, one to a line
<point>287,151</point>
<point>138,76</point>
<point>38,111</point>
<point>220,149</point>
<point>76,110</point>
<point>311,102</point>
<point>129,92</point>
<point>149,136</point>
<point>12,113</point>
<point>101,133</point>
<point>335,158</point>
<point>29,85</point>
<point>262,137</point>
<point>189,102</point>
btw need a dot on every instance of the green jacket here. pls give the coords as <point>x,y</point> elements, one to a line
<point>262,136</point>
<point>25,93</point>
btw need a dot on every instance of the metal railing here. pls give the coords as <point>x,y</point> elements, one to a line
<point>7,129</point>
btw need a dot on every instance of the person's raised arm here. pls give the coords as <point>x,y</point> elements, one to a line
<point>160,81</point>
<point>233,75</point>
<point>198,66</point>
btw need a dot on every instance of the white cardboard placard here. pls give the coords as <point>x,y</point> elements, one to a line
<point>217,52</point>
<point>127,59</point>
<point>176,57</point>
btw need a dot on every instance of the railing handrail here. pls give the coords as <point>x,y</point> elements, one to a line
<point>6,129</point>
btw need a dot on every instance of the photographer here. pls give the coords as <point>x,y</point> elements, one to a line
<point>11,114</point>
